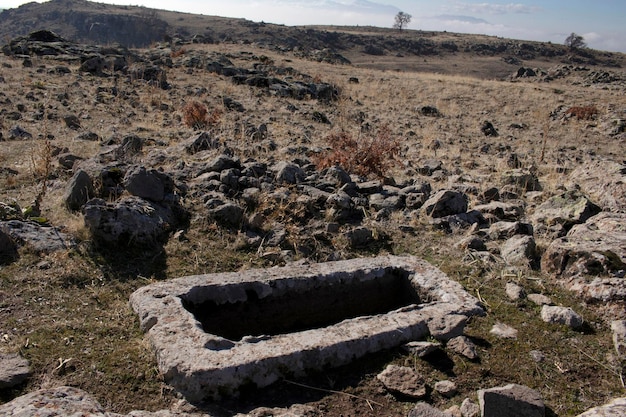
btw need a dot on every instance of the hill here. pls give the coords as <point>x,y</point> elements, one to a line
<point>378,48</point>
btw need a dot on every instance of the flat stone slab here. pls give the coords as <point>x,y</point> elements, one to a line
<point>214,333</point>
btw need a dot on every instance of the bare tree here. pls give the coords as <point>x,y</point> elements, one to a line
<point>402,20</point>
<point>575,41</point>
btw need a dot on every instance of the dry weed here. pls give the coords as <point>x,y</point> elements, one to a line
<point>364,156</point>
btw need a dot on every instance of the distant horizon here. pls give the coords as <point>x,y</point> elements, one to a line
<point>600,23</point>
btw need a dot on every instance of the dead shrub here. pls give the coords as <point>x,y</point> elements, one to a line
<point>582,112</point>
<point>178,52</point>
<point>365,156</point>
<point>196,115</point>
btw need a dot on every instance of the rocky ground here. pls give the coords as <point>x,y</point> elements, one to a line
<point>124,167</point>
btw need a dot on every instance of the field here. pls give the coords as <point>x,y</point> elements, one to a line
<point>67,311</point>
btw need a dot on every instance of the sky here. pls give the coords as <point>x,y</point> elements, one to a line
<point>600,22</point>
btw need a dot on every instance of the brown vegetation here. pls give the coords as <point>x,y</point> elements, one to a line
<point>362,155</point>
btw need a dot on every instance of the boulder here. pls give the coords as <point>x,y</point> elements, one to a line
<point>561,315</point>
<point>501,210</point>
<point>522,180</point>
<point>41,239</point>
<point>604,181</point>
<point>288,172</point>
<point>8,248</point>
<point>148,184</point>
<point>615,408</point>
<point>14,370</point>
<point>359,237</point>
<point>228,214</point>
<point>78,191</point>
<point>506,230</point>
<point>445,203</point>
<point>200,142</point>
<point>556,216</point>
<point>69,401</point>
<point>131,220</point>
<point>520,251</point>
<point>511,401</point>
<point>403,380</point>
<point>597,247</point>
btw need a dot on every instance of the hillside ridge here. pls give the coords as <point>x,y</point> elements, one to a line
<point>370,47</point>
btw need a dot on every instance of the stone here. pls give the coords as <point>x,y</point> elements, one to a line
<point>403,380</point>
<point>520,250</point>
<point>604,181</point>
<point>446,388</point>
<point>422,409</point>
<point>16,132</point>
<point>469,408</point>
<point>288,172</point>
<point>503,331</point>
<point>615,408</point>
<point>131,220</point>
<point>8,248</point>
<point>453,411</point>
<point>619,336</point>
<point>514,291</point>
<point>14,370</point>
<point>511,401</point>
<point>200,142</point>
<point>561,315</point>
<point>446,327</point>
<point>222,162</point>
<point>445,203</point>
<point>597,247</point>
<point>506,230</point>
<point>79,190</point>
<point>275,307</point>
<point>228,214</point>
<point>148,184</point>
<point>537,355</point>
<point>540,299</point>
<point>522,180</point>
<point>41,239</point>
<point>359,237</point>
<point>501,210</point>
<point>472,243</point>
<point>463,346</point>
<point>66,401</point>
<point>488,129</point>
<point>557,215</point>
<point>61,401</point>
<point>68,160</point>
<point>421,349</point>
<point>455,222</point>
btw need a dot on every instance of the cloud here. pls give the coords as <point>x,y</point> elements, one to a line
<point>495,8</point>
<point>456,18</point>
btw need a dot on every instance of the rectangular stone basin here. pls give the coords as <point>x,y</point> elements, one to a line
<point>214,333</point>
